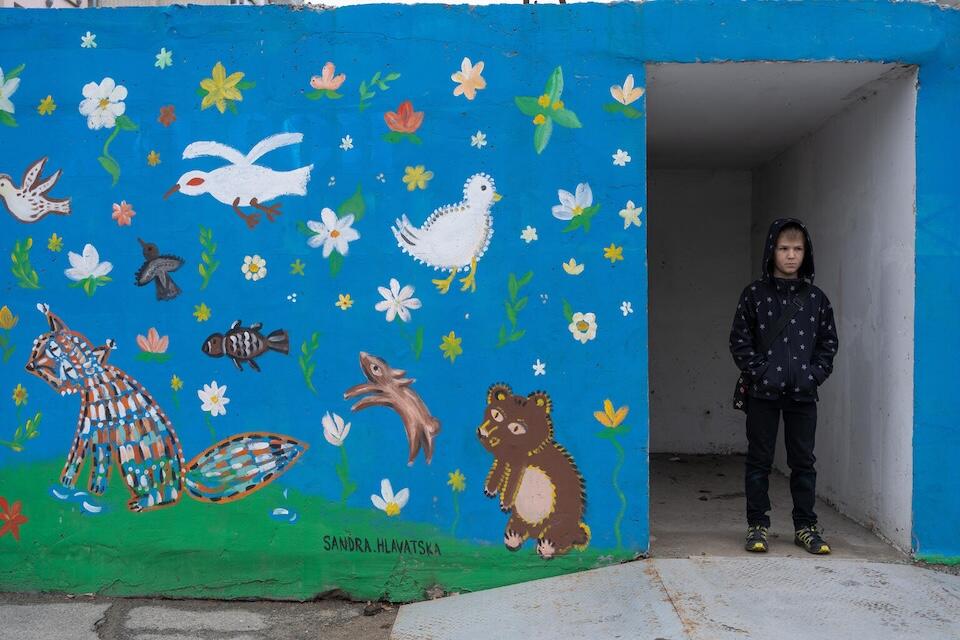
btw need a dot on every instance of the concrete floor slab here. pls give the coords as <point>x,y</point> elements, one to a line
<point>74,620</point>
<point>802,598</point>
<point>705,599</point>
<point>698,508</point>
<point>229,619</point>
<point>625,601</point>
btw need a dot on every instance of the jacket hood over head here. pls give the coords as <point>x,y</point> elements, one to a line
<point>806,271</point>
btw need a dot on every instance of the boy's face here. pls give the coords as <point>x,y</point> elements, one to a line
<point>788,255</point>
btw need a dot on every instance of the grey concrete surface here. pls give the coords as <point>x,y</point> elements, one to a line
<point>50,617</point>
<point>698,508</point>
<point>755,598</point>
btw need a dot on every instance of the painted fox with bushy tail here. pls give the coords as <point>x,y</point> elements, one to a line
<point>121,422</point>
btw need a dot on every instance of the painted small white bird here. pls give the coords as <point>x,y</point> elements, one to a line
<point>454,237</point>
<point>243,183</point>
<point>29,202</point>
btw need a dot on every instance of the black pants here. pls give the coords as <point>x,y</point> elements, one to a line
<point>800,426</point>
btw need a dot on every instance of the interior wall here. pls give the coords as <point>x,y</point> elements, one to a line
<point>853,183</point>
<point>698,263</point>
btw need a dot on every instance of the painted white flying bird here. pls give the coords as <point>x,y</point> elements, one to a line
<point>29,202</point>
<point>243,183</point>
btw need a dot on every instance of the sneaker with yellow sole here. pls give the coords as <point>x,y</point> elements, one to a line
<point>810,539</point>
<point>756,539</point>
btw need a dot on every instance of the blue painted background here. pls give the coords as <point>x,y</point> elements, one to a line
<point>280,49</point>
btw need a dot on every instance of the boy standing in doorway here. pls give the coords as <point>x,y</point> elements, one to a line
<point>784,339</point>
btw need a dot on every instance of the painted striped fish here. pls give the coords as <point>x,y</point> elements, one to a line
<point>245,344</point>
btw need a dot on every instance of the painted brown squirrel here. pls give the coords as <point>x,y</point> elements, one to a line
<point>538,481</point>
<point>390,387</point>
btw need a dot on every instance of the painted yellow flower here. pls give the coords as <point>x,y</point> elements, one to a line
<point>450,345</point>
<point>153,158</point>
<point>201,312</point>
<point>221,88</point>
<point>176,383</point>
<point>417,177</point>
<point>572,268</point>
<point>296,268</point>
<point>610,417</point>
<point>613,253</point>
<point>544,101</point>
<point>20,395</point>
<point>7,319</point>
<point>539,119</point>
<point>457,481</point>
<point>344,302</point>
<point>55,243</point>
<point>46,106</point>
<point>556,106</point>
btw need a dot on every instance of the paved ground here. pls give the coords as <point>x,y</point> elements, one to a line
<point>34,617</point>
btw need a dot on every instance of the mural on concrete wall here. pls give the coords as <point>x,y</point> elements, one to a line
<point>369,177</point>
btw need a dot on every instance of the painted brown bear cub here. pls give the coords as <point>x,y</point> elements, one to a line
<point>538,482</point>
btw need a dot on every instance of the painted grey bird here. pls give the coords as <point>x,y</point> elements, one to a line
<point>29,202</point>
<point>157,268</point>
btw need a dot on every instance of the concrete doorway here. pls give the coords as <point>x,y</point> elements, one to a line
<point>731,146</point>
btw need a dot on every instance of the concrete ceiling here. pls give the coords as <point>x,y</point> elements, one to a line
<point>739,115</point>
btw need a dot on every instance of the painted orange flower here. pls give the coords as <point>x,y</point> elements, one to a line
<point>11,518</point>
<point>167,115</point>
<point>326,79</point>
<point>611,418</point>
<point>123,213</point>
<point>153,342</point>
<point>405,120</point>
<point>468,79</point>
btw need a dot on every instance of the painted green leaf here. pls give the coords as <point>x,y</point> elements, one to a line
<point>566,118</point>
<point>528,105</point>
<point>246,84</point>
<point>111,167</point>
<point>392,76</point>
<point>7,119</point>
<point>521,303</point>
<point>354,205</point>
<point>16,71</point>
<point>232,107</point>
<point>567,311</point>
<point>418,343</point>
<point>541,135</point>
<point>395,137</point>
<point>201,92</point>
<point>126,124</point>
<point>554,85</point>
<point>511,314</point>
<point>525,280</point>
<point>516,335</point>
<point>512,286</point>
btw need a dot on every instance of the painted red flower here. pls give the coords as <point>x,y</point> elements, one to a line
<point>405,120</point>
<point>167,115</point>
<point>123,213</point>
<point>11,518</point>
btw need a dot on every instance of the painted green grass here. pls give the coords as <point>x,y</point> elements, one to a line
<point>235,550</point>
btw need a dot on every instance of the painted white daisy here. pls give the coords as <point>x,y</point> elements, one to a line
<point>631,215</point>
<point>388,502</point>
<point>529,234</point>
<point>621,158</point>
<point>346,143</point>
<point>397,301</point>
<point>626,308</point>
<point>214,399</point>
<point>478,140</point>
<point>583,326</point>
<point>334,429</point>
<point>332,232</point>
<point>7,89</point>
<point>88,40</point>
<point>254,268</point>
<point>539,368</point>
<point>102,103</point>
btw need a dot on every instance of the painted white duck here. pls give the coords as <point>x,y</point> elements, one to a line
<point>243,183</point>
<point>29,202</point>
<point>455,236</point>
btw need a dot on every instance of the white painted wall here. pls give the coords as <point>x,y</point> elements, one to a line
<point>699,261</point>
<point>853,183</point>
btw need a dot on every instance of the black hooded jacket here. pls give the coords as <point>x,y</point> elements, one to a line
<point>801,356</point>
